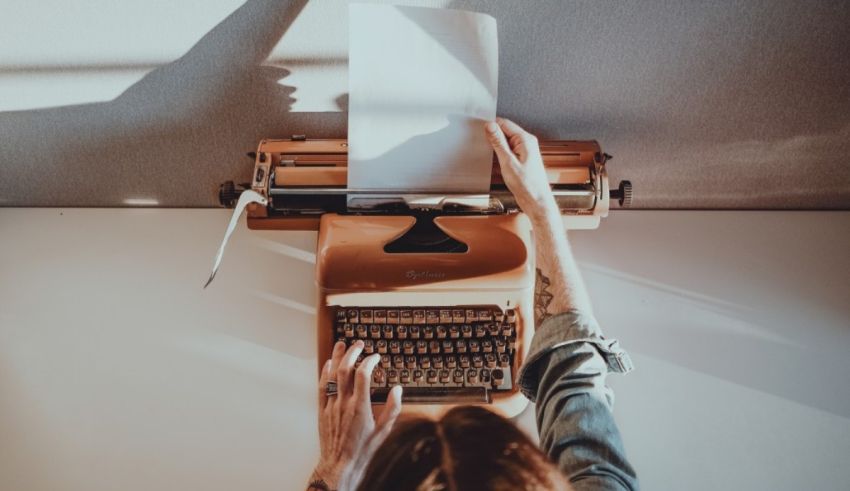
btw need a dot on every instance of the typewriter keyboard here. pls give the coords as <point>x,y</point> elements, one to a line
<point>439,355</point>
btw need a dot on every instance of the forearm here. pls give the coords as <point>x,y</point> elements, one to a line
<point>559,284</point>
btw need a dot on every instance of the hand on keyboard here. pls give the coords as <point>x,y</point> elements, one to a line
<point>522,166</point>
<point>346,421</point>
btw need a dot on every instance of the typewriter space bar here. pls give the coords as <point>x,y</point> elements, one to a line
<point>435,395</point>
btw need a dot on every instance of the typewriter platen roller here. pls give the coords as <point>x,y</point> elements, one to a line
<point>303,179</point>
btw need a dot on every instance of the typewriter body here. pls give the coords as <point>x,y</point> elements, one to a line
<point>441,287</point>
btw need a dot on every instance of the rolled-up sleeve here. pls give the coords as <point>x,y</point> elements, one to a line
<point>564,374</point>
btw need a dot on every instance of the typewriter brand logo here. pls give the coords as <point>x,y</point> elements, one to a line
<point>412,274</point>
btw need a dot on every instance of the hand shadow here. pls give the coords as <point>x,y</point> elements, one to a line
<point>173,136</point>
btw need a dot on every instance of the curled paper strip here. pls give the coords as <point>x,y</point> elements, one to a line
<point>247,197</point>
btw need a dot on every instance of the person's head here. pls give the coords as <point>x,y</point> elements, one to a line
<point>467,448</point>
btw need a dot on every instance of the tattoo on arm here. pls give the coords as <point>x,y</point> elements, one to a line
<point>542,298</point>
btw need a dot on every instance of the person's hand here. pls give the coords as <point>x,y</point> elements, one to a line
<point>347,426</point>
<point>522,167</point>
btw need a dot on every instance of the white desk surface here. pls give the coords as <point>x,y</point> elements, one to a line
<point>117,371</point>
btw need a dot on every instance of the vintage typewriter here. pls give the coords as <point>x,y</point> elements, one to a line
<point>442,289</point>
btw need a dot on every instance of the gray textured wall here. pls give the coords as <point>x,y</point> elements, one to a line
<point>725,104</point>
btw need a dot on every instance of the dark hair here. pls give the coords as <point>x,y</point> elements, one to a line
<point>468,448</point>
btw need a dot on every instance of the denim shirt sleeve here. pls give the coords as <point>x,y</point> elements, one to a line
<point>564,374</point>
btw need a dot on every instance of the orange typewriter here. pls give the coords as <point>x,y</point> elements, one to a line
<point>441,289</point>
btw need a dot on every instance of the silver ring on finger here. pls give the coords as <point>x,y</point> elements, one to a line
<point>331,388</point>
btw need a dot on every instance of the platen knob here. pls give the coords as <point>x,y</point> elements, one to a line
<point>228,193</point>
<point>623,194</point>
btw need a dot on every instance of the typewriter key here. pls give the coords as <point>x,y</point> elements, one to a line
<point>498,377</point>
<point>498,315</point>
<point>381,346</point>
<point>368,347</point>
<point>490,360</point>
<point>504,361</point>
<point>432,376</point>
<point>487,346</point>
<point>348,330</point>
<point>460,346</point>
<point>353,316</point>
<point>451,362</point>
<point>471,315</point>
<point>401,332</point>
<point>442,332</point>
<point>484,315</point>
<point>444,376</point>
<point>466,330</point>
<point>380,316</point>
<point>398,361</point>
<point>472,376</point>
<point>446,316</point>
<point>366,316</point>
<point>414,332</point>
<point>493,329</point>
<point>507,329</point>
<point>485,376</point>
<point>417,375</point>
<point>395,347</point>
<point>480,331</point>
<point>392,376</point>
<point>458,316</point>
<point>511,315</point>
<point>425,362</point>
<point>437,361</point>
<point>474,346</point>
<point>340,316</point>
<point>388,331</point>
<point>405,376</point>
<point>408,347</point>
<point>458,376</point>
<point>360,330</point>
<point>392,317</point>
<point>419,317</point>
<point>434,347</point>
<point>421,347</point>
<point>463,361</point>
<point>432,316</point>
<point>428,332</point>
<point>405,317</point>
<point>477,361</point>
<point>454,332</point>
<point>448,347</point>
<point>378,377</point>
<point>385,361</point>
<point>501,345</point>
<point>375,331</point>
<point>410,362</point>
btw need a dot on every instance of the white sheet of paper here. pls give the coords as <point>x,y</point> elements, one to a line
<point>422,84</point>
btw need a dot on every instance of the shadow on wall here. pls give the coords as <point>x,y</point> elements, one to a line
<point>729,104</point>
<point>172,137</point>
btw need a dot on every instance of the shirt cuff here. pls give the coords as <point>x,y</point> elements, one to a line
<point>567,329</point>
